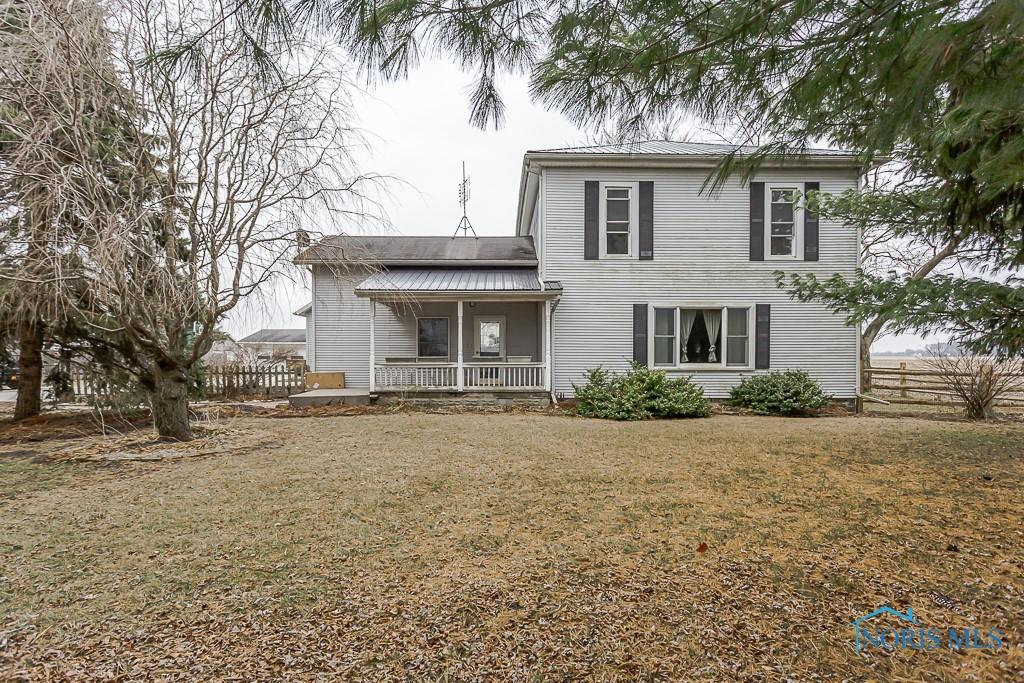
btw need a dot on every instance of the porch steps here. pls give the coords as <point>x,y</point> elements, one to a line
<point>330,397</point>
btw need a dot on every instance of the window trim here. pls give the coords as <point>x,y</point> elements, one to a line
<point>798,221</point>
<point>634,219</point>
<point>448,341</point>
<point>501,320</point>
<point>723,330</point>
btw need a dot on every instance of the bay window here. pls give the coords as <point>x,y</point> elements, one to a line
<point>708,336</point>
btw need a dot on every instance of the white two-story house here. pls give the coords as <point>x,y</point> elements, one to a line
<point>619,255</point>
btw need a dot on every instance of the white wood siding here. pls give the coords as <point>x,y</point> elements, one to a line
<point>341,340</point>
<point>701,255</point>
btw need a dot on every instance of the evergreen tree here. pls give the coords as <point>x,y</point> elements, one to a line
<point>934,87</point>
<point>68,151</point>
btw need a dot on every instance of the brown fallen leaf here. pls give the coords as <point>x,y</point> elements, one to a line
<point>702,548</point>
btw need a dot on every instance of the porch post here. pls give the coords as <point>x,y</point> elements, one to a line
<point>459,380</point>
<point>547,345</point>
<point>373,362</point>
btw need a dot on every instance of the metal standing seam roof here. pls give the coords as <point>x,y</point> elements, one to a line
<point>423,249</point>
<point>669,147</point>
<point>455,280</point>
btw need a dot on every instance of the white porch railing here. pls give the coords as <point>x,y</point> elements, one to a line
<point>414,376</point>
<point>504,376</point>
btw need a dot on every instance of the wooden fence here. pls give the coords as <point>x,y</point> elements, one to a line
<point>228,381</point>
<point>242,381</point>
<point>925,387</point>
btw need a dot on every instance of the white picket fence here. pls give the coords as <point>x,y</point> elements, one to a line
<point>228,381</point>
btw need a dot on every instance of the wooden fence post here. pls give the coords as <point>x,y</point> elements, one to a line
<point>903,379</point>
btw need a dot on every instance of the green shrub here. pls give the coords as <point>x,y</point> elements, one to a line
<point>639,394</point>
<point>779,393</point>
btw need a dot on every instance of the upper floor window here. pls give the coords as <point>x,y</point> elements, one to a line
<point>618,219</point>
<point>784,222</point>
<point>617,200</point>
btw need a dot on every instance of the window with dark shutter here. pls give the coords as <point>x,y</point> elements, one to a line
<point>646,221</point>
<point>757,221</point>
<point>591,218</point>
<point>810,226</point>
<point>640,333</point>
<point>763,336</point>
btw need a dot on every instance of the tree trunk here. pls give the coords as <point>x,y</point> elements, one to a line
<point>30,367</point>
<point>169,401</point>
<point>874,328</point>
<point>867,338</point>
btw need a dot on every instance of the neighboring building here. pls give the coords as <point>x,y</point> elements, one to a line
<point>273,345</point>
<point>618,256</point>
<point>223,351</point>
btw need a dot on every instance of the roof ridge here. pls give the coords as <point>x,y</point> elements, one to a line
<point>686,147</point>
<point>419,237</point>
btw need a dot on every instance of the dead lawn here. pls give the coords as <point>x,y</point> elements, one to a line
<point>518,547</point>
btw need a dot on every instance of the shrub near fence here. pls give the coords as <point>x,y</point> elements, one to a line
<point>226,382</point>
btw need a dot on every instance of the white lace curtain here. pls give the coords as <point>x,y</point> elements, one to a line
<point>686,318</point>
<point>712,321</point>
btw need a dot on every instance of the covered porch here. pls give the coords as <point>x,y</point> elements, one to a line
<point>460,330</point>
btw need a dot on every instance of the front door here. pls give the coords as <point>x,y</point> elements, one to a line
<point>489,343</point>
<point>490,336</point>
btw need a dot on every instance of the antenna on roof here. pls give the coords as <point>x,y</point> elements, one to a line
<point>464,225</point>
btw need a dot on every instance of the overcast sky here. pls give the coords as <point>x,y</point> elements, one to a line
<point>419,133</point>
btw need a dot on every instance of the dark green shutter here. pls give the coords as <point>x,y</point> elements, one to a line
<point>757,221</point>
<point>810,226</point>
<point>591,210</point>
<point>647,221</point>
<point>763,336</point>
<point>640,333</point>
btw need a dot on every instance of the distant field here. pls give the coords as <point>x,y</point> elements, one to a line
<point>913,362</point>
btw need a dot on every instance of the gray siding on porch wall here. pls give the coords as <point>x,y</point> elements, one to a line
<point>701,255</point>
<point>342,327</point>
<point>522,327</point>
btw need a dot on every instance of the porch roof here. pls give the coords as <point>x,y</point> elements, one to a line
<point>448,281</point>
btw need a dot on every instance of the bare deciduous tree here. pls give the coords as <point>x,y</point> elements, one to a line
<point>978,381</point>
<point>891,246</point>
<point>225,172</point>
